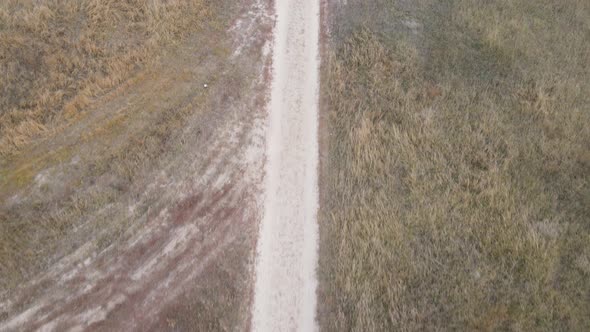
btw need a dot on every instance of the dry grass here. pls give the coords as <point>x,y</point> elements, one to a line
<point>56,56</point>
<point>456,189</point>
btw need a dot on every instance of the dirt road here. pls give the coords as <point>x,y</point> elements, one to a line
<point>285,298</point>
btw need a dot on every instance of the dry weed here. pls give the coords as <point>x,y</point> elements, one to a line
<point>456,186</point>
<point>56,56</point>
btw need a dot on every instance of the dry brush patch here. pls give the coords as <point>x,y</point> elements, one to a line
<point>457,180</point>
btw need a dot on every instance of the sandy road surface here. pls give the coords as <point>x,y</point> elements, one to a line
<point>285,290</point>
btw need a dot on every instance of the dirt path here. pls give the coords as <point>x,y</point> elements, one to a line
<point>285,290</point>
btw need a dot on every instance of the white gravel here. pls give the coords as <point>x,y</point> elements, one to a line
<point>286,282</point>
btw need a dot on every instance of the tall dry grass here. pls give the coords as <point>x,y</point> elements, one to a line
<point>457,179</point>
<point>56,56</point>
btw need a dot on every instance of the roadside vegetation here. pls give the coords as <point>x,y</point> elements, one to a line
<point>456,182</point>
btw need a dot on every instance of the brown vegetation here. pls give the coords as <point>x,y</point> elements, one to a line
<point>456,189</point>
<point>56,56</point>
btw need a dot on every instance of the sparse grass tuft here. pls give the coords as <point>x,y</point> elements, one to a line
<point>456,190</point>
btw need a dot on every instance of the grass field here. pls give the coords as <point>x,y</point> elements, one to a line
<point>456,184</point>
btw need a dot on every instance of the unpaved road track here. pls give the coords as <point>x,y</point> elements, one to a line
<point>285,290</point>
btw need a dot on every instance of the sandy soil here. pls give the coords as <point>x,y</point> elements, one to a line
<point>285,290</point>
